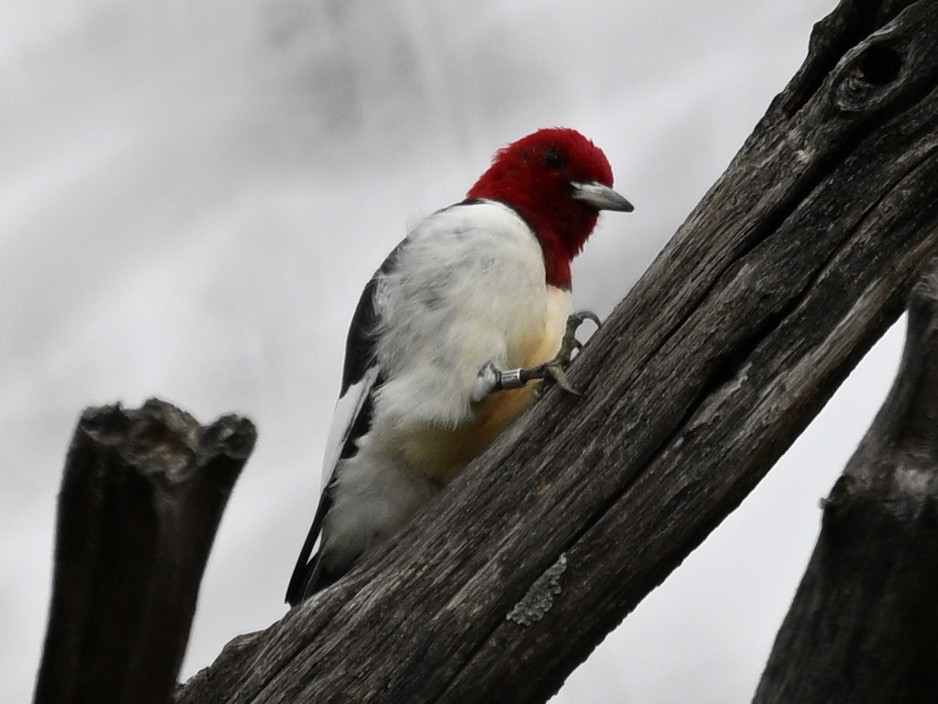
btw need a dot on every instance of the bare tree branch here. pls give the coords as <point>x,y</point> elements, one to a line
<point>863,627</point>
<point>794,263</point>
<point>141,497</point>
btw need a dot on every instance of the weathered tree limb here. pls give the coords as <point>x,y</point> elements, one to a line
<point>863,627</point>
<point>141,498</point>
<point>793,265</point>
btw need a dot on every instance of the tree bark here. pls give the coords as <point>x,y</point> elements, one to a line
<point>863,627</point>
<point>794,263</point>
<point>141,498</point>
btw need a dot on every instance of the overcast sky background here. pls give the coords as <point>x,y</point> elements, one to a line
<point>192,195</point>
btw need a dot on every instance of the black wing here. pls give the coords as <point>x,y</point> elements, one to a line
<point>309,575</point>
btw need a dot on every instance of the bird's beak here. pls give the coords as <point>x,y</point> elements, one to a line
<point>600,197</point>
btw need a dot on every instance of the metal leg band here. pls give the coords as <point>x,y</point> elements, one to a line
<point>511,379</point>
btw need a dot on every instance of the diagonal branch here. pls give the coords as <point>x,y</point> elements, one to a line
<point>793,264</point>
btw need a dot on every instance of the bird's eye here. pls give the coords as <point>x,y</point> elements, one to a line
<point>553,159</point>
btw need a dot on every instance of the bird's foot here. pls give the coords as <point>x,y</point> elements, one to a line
<point>570,344</point>
<point>555,369</point>
<point>490,379</point>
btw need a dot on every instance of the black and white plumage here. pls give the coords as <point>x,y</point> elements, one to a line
<point>472,286</point>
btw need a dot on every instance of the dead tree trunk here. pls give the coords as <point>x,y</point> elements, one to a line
<point>795,262</point>
<point>141,498</point>
<point>863,627</point>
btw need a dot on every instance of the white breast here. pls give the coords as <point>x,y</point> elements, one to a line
<point>466,287</point>
<point>469,288</point>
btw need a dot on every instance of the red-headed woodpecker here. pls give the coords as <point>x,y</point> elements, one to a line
<point>468,308</point>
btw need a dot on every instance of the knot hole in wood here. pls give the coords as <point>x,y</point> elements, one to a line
<point>880,65</point>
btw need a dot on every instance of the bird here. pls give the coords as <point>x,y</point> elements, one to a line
<point>448,342</point>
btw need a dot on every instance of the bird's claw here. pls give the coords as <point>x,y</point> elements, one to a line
<point>575,320</point>
<point>555,370</point>
<point>570,344</point>
<point>491,379</point>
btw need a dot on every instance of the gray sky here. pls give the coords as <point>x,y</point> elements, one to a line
<point>194,193</point>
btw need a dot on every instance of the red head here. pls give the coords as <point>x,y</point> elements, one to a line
<point>558,181</point>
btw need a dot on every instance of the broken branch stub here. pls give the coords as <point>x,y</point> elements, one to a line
<point>863,626</point>
<point>142,494</point>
